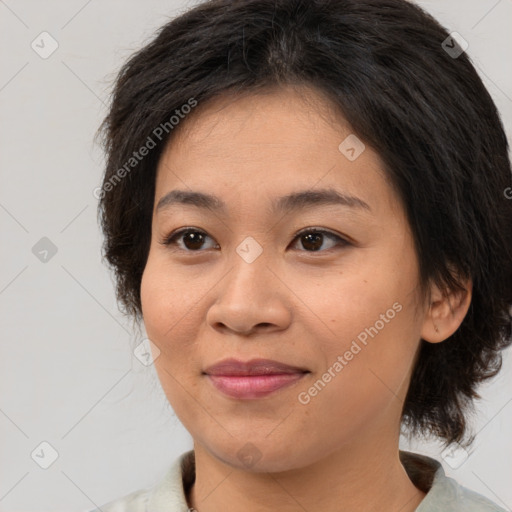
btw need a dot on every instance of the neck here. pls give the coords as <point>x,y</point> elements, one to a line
<point>361,477</point>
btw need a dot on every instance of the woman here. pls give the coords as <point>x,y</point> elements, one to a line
<point>305,202</point>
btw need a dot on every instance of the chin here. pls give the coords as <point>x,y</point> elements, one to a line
<point>262,457</point>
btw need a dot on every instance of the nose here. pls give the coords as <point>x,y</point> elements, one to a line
<point>250,298</point>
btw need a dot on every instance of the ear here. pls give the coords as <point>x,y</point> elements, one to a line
<point>446,312</point>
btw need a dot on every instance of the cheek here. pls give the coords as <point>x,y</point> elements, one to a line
<point>365,372</point>
<point>374,328</point>
<point>167,309</point>
<point>360,307</point>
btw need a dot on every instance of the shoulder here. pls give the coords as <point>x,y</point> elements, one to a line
<point>451,496</point>
<point>169,494</point>
<point>134,502</point>
<point>442,492</point>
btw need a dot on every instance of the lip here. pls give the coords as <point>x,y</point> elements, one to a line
<point>253,367</point>
<point>252,379</point>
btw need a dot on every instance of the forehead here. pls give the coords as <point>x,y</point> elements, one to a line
<point>268,120</point>
<point>273,143</point>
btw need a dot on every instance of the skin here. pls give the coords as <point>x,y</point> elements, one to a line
<point>291,304</point>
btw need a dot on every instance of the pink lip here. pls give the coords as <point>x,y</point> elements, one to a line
<point>252,379</point>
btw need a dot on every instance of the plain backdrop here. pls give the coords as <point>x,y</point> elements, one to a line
<point>73,396</point>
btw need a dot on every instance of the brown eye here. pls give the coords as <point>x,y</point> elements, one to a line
<point>191,239</point>
<point>194,240</point>
<point>313,239</point>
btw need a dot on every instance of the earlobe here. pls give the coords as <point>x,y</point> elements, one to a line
<point>446,312</point>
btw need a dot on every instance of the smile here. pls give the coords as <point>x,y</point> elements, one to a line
<point>253,386</point>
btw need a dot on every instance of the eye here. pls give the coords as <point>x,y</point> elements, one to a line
<point>312,239</point>
<point>192,239</point>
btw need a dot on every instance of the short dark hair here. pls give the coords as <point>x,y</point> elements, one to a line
<point>384,68</point>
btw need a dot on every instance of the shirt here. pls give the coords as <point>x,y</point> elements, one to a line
<point>443,494</point>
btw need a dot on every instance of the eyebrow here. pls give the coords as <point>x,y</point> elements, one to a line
<point>294,201</point>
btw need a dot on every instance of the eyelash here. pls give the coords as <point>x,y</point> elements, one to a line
<point>171,239</point>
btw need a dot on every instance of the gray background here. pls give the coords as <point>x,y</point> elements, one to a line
<point>67,373</point>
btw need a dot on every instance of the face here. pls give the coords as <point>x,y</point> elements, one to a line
<point>326,283</point>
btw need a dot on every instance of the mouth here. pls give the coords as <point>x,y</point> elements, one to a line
<point>252,379</point>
